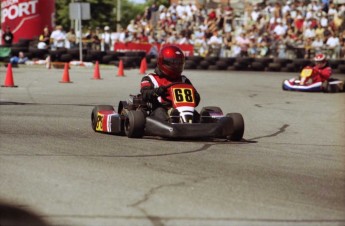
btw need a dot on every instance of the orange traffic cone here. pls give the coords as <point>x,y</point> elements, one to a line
<point>9,77</point>
<point>120,70</point>
<point>143,66</point>
<point>96,74</point>
<point>65,75</point>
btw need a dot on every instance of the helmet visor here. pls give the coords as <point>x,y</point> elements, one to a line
<point>174,63</point>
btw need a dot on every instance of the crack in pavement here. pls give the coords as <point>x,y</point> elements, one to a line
<point>156,221</point>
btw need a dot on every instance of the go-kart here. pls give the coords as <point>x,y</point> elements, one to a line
<point>304,83</point>
<point>134,118</point>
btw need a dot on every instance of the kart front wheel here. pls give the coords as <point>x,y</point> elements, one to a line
<point>238,126</point>
<point>283,85</point>
<point>135,124</point>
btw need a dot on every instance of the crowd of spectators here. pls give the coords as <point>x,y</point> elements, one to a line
<point>293,29</point>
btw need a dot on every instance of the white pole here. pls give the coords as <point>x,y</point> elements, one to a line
<point>80,35</point>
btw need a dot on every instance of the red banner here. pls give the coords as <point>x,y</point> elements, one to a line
<point>27,18</point>
<point>123,47</point>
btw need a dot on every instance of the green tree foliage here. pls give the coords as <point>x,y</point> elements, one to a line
<point>103,12</point>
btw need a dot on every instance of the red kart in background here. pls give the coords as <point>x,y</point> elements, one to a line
<point>304,83</point>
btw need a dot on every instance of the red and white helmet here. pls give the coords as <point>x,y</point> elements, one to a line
<point>171,62</point>
<point>320,57</point>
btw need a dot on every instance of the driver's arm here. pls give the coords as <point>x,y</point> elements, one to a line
<point>326,73</point>
<point>148,92</point>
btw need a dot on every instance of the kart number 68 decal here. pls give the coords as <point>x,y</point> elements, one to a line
<point>183,95</point>
<point>99,125</point>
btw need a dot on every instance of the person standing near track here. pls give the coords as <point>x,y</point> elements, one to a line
<point>8,36</point>
<point>106,41</point>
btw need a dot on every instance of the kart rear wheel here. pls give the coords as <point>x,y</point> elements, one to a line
<point>333,88</point>
<point>94,116</point>
<point>135,124</point>
<point>238,126</point>
<point>207,112</point>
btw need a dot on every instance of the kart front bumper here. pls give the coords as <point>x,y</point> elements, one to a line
<point>222,128</point>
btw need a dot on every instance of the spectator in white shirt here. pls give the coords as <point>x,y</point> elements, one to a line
<point>317,44</point>
<point>309,32</point>
<point>58,36</point>
<point>333,44</point>
<point>215,43</point>
<point>279,29</point>
<point>106,39</point>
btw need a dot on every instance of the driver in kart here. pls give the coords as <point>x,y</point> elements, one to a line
<point>170,65</point>
<point>321,71</point>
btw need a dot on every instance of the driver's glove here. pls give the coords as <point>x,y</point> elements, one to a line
<point>159,91</point>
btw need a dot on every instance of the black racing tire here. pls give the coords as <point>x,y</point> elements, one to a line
<point>94,116</point>
<point>205,113</point>
<point>283,87</point>
<point>238,126</point>
<point>135,124</point>
<point>211,109</point>
<point>333,88</point>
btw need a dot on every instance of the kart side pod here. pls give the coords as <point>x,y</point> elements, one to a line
<point>105,119</point>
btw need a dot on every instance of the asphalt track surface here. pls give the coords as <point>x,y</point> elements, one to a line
<point>288,170</point>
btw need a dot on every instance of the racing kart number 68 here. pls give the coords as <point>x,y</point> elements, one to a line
<point>133,118</point>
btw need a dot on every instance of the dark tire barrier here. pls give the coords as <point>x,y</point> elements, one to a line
<point>335,63</point>
<point>263,61</point>
<point>204,64</point>
<point>16,49</point>
<point>56,54</point>
<point>95,55</point>
<point>282,61</point>
<point>110,56</point>
<point>190,64</point>
<point>107,58</point>
<point>195,59</point>
<point>130,61</point>
<point>221,65</point>
<point>211,60</point>
<point>213,67</point>
<point>290,67</point>
<point>341,68</point>
<point>66,57</point>
<point>274,67</point>
<point>243,63</point>
<point>257,66</point>
<point>301,63</point>
<point>38,53</point>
